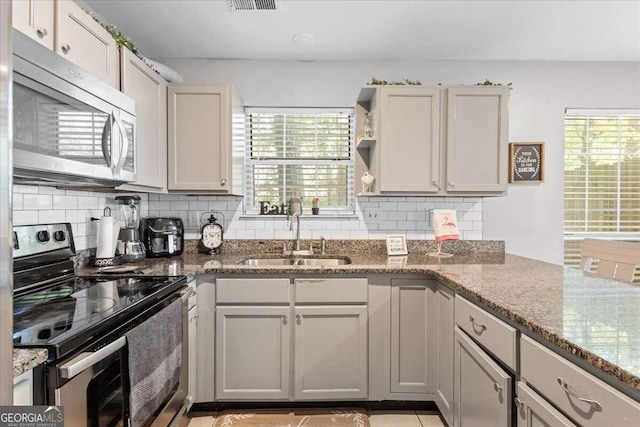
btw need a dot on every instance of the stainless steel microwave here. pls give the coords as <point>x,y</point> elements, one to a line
<point>69,127</point>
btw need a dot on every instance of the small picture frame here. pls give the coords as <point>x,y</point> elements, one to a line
<point>396,245</point>
<point>526,162</point>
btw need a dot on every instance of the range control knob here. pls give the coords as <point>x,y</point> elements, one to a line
<point>59,236</point>
<point>42,236</point>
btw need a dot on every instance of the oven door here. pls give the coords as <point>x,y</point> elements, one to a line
<point>94,393</point>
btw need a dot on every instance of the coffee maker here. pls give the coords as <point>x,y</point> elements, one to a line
<point>129,244</point>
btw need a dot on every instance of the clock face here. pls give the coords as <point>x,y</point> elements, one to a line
<point>212,236</point>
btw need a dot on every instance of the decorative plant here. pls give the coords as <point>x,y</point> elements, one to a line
<point>314,202</point>
<point>488,82</point>
<point>376,82</point>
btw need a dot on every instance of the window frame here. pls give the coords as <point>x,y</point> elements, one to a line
<point>249,191</point>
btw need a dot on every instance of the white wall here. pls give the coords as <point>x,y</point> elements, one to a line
<point>529,219</point>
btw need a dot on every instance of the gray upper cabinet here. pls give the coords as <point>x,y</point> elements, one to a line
<point>149,90</point>
<point>477,139</point>
<point>35,19</point>
<point>200,136</point>
<point>434,140</point>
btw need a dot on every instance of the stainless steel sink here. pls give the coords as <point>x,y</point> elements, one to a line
<point>295,261</point>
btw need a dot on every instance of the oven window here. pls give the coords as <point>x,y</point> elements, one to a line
<point>105,398</point>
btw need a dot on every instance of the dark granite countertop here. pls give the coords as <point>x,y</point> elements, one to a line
<point>597,320</point>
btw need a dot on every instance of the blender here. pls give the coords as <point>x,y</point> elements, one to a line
<point>129,244</point>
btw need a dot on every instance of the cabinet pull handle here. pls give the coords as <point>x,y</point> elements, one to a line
<point>452,184</point>
<point>519,403</point>
<point>223,182</point>
<point>435,184</point>
<point>285,319</point>
<point>42,32</point>
<point>497,387</point>
<point>65,48</point>
<point>565,387</point>
<point>475,325</point>
<point>298,319</point>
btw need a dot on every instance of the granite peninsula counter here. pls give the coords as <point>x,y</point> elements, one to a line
<point>594,319</point>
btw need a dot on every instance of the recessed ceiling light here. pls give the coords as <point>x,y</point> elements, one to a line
<point>303,39</point>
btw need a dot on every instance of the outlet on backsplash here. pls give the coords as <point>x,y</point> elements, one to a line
<point>372,215</point>
<point>194,219</point>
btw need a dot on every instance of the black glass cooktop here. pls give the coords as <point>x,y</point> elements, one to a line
<point>79,308</point>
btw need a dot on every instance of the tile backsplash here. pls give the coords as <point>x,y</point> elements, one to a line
<point>396,215</point>
<point>42,205</point>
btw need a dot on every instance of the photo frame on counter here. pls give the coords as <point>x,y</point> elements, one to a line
<point>526,162</point>
<point>396,244</point>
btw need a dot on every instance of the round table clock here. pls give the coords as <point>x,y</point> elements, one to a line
<point>211,237</point>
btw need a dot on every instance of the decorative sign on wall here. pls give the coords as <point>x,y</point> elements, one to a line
<point>526,162</point>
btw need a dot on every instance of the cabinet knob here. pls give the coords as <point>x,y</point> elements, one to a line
<point>452,184</point>
<point>42,32</point>
<point>65,48</point>
<point>223,182</point>
<point>298,319</point>
<point>435,184</point>
<point>519,403</point>
<point>497,387</point>
<point>285,319</point>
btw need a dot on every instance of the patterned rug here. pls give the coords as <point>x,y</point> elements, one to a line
<point>351,417</point>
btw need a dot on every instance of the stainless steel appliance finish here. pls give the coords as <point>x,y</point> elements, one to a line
<point>82,322</point>
<point>6,302</point>
<point>129,244</point>
<point>163,237</point>
<point>70,127</point>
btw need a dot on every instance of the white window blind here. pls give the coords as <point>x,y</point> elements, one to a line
<point>601,177</point>
<point>304,153</point>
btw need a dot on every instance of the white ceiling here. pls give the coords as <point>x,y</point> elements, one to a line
<point>382,29</point>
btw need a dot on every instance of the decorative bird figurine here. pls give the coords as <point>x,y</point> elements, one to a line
<point>366,180</point>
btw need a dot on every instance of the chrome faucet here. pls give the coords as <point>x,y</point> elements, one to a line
<point>294,214</point>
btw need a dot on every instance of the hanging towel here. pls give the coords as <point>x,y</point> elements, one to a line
<point>155,358</point>
<point>445,225</point>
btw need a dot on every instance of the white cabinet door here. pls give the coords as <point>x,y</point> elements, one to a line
<point>200,137</point>
<point>23,389</point>
<point>35,19</point>
<point>330,352</point>
<point>149,90</point>
<point>193,351</point>
<point>252,352</point>
<point>534,411</point>
<point>444,359</point>
<point>482,388</point>
<point>477,139</point>
<point>413,341</point>
<point>410,139</point>
<point>83,41</point>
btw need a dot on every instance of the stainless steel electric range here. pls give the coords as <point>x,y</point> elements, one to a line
<point>82,322</point>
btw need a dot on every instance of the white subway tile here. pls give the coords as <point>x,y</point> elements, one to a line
<point>255,224</point>
<point>178,205</point>
<point>358,235</point>
<point>168,197</point>
<point>423,225</point>
<point>371,227</point>
<point>43,189</point>
<point>407,206</point>
<point>350,225</point>
<point>406,225</point>
<point>377,235</point>
<point>477,207</point>
<point>25,189</point>
<point>388,225</point>
<point>65,202</point>
<point>416,199</point>
<point>445,205</point>
<point>472,216</point>
<point>364,205</point>
<point>51,216</point>
<point>307,224</point>
<point>339,234</point>
<point>465,225</point>
<point>81,242</point>
<point>453,199</point>
<point>245,234</point>
<point>282,234</point>
<point>397,198</point>
<point>17,201</point>
<point>80,229</point>
<point>230,234</point>
<point>82,193</point>
<point>153,213</point>
<point>463,207</point>
<point>425,206</point>
<point>389,206</point>
<point>76,216</point>
<point>263,234</point>
<point>306,234</point>
<point>416,216</point>
<point>25,218</point>
<point>472,235</point>
<point>396,216</point>
<point>90,202</point>
<point>477,225</point>
<point>37,201</point>
<point>186,197</point>
<point>159,205</point>
<point>472,199</point>
<point>153,197</point>
<point>416,235</point>
<point>198,205</point>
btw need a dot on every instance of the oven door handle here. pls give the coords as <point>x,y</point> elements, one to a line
<point>187,293</point>
<point>88,359</point>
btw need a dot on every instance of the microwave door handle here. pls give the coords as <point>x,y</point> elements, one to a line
<point>106,133</point>
<point>86,360</point>
<point>124,146</point>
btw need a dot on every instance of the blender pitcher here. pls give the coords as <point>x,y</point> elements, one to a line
<point>129,244</point>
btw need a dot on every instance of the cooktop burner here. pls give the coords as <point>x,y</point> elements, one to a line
<point>50,316</point>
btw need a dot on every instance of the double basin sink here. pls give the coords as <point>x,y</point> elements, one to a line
<point>295,260</point>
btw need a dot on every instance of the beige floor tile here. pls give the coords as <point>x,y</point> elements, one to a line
<point>394,419</point>
<point>204,421</point>
<point>430,419</point>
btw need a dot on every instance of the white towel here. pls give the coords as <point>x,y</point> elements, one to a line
<point>445,225</point>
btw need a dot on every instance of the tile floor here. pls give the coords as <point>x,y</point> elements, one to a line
<point>376,419</point>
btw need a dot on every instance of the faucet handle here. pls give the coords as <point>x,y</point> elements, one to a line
<point>323,246</point>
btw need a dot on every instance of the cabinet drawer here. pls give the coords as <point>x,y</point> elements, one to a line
<point>348,291</point>
<point>253,291</point>
<point>495,335</point>
<point>583,397</point>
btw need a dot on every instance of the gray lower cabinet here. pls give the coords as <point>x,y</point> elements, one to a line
<point>444,307</point>
<point>252,352</point>
<point>205,342</point>
<point>533,411</point>
<point>330,351</point>
<point>482,388</point>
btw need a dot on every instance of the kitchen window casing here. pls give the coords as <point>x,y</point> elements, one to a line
<point>300,152</point>
<point>601,178</point>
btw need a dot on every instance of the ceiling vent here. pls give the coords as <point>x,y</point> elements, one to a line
<point>242,5</point>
